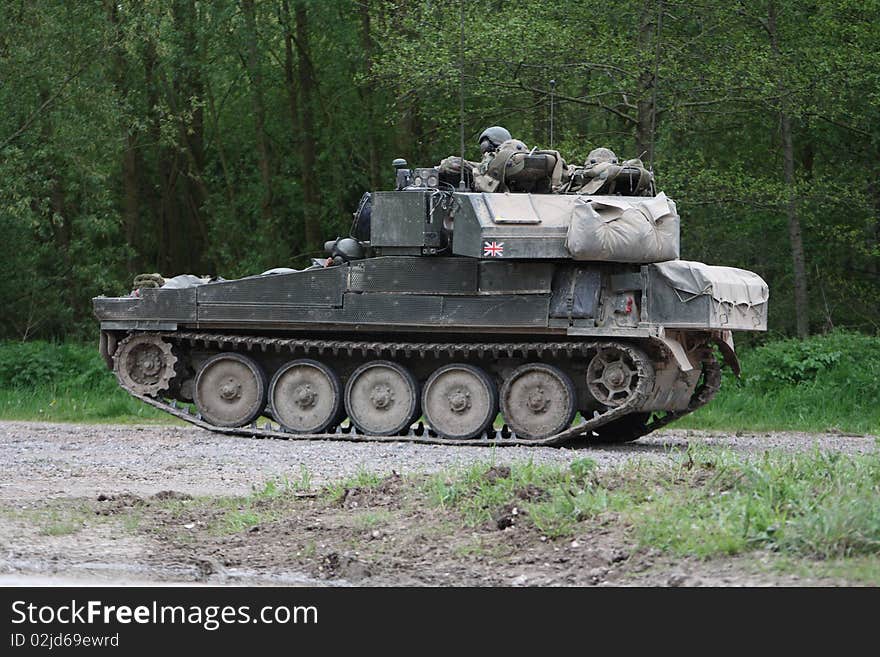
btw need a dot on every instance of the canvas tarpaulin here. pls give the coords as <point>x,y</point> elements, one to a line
<point>619,229</point>
<point>724,284</point>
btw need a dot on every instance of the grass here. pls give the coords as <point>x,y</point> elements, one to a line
<point>222,516</point>
<point>364,479</point>
<point>553,499</point>
<point>53,520</point>
<point>263,505</point>
<point>814,514</point>
<point>826,383</point>
<point>817,505</point>
<point>65,383</point>
<point>58,404</point>
<point>371,519</point>
<point>862,569</point>
<point>710,503</point>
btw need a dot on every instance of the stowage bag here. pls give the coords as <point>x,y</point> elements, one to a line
<point>617,229</point>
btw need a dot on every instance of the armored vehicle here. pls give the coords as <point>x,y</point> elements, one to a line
<point>451,315</point>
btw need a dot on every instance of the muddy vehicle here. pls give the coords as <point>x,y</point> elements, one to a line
<point>449,315</point>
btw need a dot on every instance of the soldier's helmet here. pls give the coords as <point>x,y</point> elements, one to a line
<point>600,155</point>
<point>491,138</point>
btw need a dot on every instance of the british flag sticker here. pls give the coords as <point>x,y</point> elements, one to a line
<point>493,249</point>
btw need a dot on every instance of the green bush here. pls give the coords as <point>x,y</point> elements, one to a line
<point>841,356</point>
<point>46,364</point>
<point>825,382</point>
<point>64,382</point>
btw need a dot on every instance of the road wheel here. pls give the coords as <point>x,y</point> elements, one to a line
<point>230,390</point>
<point>305,396</point>
<point>459,401</point>
<point>382,398</point>
<point>538,401</point>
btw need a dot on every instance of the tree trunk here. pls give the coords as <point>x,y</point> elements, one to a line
<point>130,160</point>
<point>258,107</point>
<point>540,110</point>
<point>649,49</point>
<point>306,74</point>
<point>294,235</point>
<point>59,219</point>
<point>159,192</point>
<point>367,94</point>
<point>801,296</point>
<point>289,78</point>
<point>184,96</point>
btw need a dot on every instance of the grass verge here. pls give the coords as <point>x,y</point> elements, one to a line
<point>816,510</point>
<point>825,383</point>
<point>815,514</point>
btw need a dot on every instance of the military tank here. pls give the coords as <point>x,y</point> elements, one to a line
<point>534,314</point>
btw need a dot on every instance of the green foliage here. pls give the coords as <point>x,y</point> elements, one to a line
<point>64,382</point>
<point>795,362</point>
<point>45,364</point>
<point>148,136</point>
<point>822,505</point>
<point>828,382</point>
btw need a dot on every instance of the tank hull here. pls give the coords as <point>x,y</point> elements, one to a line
<point>448,295</point>
<point>609,341</point>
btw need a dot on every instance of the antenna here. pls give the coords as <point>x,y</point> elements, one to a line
<point>552,98</point>
<point>461,185</point>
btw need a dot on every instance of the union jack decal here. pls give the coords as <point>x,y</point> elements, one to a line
<point>493,249</point>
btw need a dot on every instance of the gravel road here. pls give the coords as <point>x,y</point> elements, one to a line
<point>46,461</point>
<point>54,476</point>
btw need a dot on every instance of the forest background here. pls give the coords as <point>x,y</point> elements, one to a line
<point>231,136</point>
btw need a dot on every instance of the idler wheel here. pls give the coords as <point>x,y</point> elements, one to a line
<point>538,401</point>
<point>230,390</point>
<point>144,363</point>
<point>459,401</point>
<point>305,396</point>
<point>382,398</point>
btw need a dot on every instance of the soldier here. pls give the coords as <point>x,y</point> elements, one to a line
<point>507,164</point>
<point>603,174</point>
<point>490,139</point>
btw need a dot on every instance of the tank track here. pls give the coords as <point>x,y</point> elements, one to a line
<point>420,433</point>
<point>704,393</point>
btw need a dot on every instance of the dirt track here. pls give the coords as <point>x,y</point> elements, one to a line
<point>53,468</point>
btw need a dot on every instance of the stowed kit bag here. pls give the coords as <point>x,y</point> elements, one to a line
<point>610,229</point>
<point>695,294</point>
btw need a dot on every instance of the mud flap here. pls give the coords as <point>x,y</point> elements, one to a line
<point>678,352</point>
<point>724,340</point>
<point>107,347</point>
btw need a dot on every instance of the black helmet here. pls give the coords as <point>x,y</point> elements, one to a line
<point>491,138</point>
<point>343,249</point>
